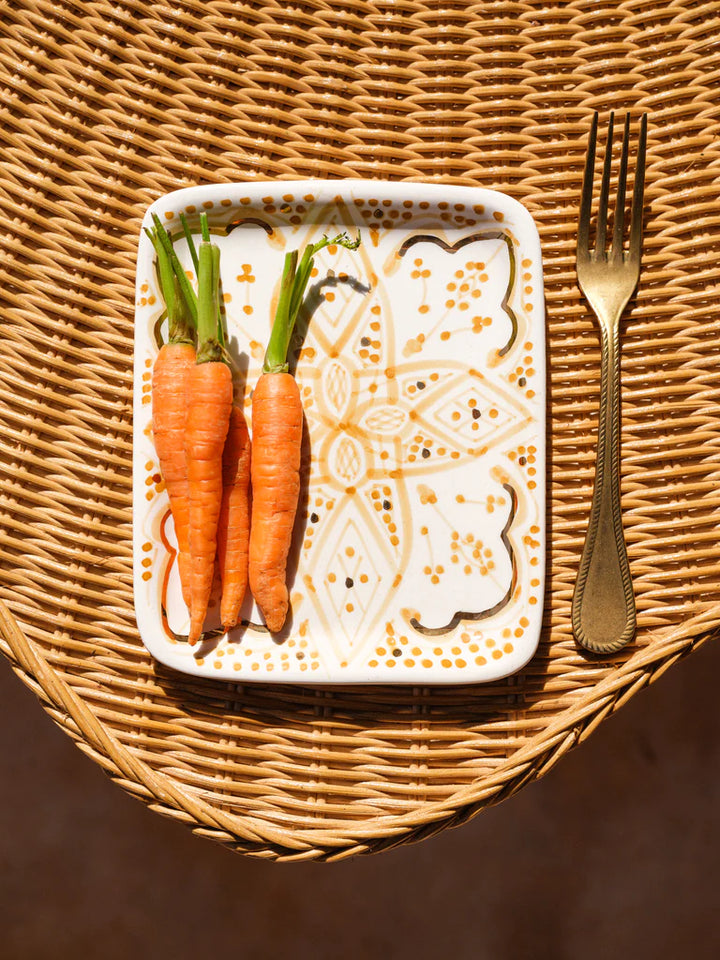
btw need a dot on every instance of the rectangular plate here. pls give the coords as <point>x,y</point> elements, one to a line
<point>420,538</point>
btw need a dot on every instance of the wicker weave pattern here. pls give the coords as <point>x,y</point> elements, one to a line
<point>105,107</point>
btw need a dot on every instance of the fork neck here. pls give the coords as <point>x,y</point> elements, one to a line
<point>610,307</point>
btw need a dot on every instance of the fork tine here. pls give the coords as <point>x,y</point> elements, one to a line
<point>583,236</point>
<point>620,202</point>
<point>636,216</point>
<point>605,191</point>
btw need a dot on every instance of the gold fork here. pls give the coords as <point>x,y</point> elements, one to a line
<point>603,608</point>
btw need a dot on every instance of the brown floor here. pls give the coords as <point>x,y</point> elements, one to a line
<point>613,855</point>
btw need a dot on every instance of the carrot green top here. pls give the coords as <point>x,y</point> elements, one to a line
<point>192,316</point>
<point>211,341</point>
<point>292,291</point>
<point>179,297</point>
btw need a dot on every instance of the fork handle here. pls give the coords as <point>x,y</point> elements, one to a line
<point>603,608</point>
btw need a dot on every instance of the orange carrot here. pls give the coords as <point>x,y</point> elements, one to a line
<point>277,421</point>
<point>210,396</point>
<point>210,392</point>
<point>169,387</point>
<point>234,523</point>
<point>169,410</point>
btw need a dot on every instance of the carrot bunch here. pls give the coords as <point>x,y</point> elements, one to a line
<point>207,478</point>
<point>203,445</point>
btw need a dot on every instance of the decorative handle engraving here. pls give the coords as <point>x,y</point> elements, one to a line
<point>603,609</point>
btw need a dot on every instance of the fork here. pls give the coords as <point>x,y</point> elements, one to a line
<point>603,607</point>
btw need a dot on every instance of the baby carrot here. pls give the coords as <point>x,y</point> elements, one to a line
<point>169,386</point>
<point>233,532</point>
<point>277,422</point>
<point>209,397</point>
<point>234,523</point>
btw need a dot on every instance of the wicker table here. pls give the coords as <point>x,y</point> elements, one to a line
<point>106,107</point>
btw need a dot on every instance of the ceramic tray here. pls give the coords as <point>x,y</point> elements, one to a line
<point>420,542</point>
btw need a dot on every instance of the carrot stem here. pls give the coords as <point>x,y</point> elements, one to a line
<point>187,291</point>
<point>190,242</point>
<point>180,320</point>
<point>166,276</point>
<point>196,263</point>
<point>220,332</point>
<point>292,292</point>
<point>302,277</point>
<point>210,334</point>
<point>276,353</point>
<point>206,300</point>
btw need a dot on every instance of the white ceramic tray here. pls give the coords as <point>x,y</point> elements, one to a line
<point>420,539</point>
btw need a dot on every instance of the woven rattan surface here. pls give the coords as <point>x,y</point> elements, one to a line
<point>106,106</point>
